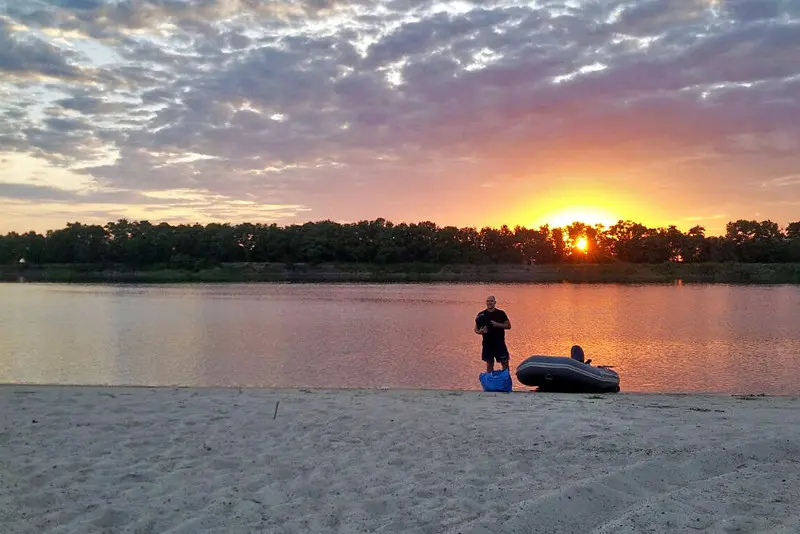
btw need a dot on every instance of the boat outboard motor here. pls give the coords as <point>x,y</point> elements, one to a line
<point>576,353</point>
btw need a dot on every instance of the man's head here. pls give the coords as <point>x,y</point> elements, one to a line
<point>490,302</point>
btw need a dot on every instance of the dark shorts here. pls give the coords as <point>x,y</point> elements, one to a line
<point>500,354</point>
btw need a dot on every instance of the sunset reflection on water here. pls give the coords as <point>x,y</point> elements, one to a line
<point>660,338</point>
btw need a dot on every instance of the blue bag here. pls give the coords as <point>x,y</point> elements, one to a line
<point>496,381</point>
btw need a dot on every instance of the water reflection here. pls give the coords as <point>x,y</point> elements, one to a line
<point>691,338</point>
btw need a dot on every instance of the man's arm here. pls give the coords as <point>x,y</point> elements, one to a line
<point>479,329</point>
<point>505,325</point>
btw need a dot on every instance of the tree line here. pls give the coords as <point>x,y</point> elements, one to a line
<point>142,244</point>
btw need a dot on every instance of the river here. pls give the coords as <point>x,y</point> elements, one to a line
<point>660,338</point>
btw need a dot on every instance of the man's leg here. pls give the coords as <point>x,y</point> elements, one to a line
<point>504,358</point>
<point>488,357</point>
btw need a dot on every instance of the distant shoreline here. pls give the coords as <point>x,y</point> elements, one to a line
<point>622,273</point>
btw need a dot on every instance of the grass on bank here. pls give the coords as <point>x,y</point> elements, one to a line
<point>732,273</point>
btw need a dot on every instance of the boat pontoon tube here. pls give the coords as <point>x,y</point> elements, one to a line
<point>554,373</point>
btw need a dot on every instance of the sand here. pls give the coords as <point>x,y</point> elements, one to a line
<point>86,459</point>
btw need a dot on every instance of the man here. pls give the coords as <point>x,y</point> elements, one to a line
<point>492,324</point>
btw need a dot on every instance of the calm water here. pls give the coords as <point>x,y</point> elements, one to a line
<point>709,338</point>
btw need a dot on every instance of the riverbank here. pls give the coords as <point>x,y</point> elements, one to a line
<point>730,273</point>
<point>86,459</point>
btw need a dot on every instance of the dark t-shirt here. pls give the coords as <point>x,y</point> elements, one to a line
<point>495,336</point>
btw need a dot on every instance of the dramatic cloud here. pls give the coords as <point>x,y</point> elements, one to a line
<point>22,58</point>
<point>407,109</point>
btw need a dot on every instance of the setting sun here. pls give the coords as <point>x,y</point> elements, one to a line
<point>586,215</point>
<point>581,244</point>
<point>589,205</point>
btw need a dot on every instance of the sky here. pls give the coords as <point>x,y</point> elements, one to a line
<point>465,113</point>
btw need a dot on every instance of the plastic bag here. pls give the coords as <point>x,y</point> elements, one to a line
<point>496,381</point>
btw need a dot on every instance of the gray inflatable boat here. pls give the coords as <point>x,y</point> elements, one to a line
<point>554,373</point>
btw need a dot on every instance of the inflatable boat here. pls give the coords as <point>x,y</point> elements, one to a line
<point>555,373</point>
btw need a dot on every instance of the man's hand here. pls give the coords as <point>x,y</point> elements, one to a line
<point>498,325</point>
<point>482,330</point>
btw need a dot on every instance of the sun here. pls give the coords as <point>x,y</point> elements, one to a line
<point>584,201</point>
<point>586,215</point>
<point>581,244</point>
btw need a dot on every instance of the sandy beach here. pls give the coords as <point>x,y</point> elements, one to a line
<point>91,459</point>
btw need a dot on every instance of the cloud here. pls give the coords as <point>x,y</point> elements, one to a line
<point>791,180</point>
<point>31,57</point>
<point>185,206</point>
<point>33,192</point>
<point>301,102</point>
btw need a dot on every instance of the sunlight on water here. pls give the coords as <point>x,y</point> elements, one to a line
<point>691,338</point>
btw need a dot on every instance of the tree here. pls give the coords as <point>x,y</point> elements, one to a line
<point>755,241</point>
<point>142,244</point>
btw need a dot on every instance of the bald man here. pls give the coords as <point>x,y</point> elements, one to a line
<point>492,324</point>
